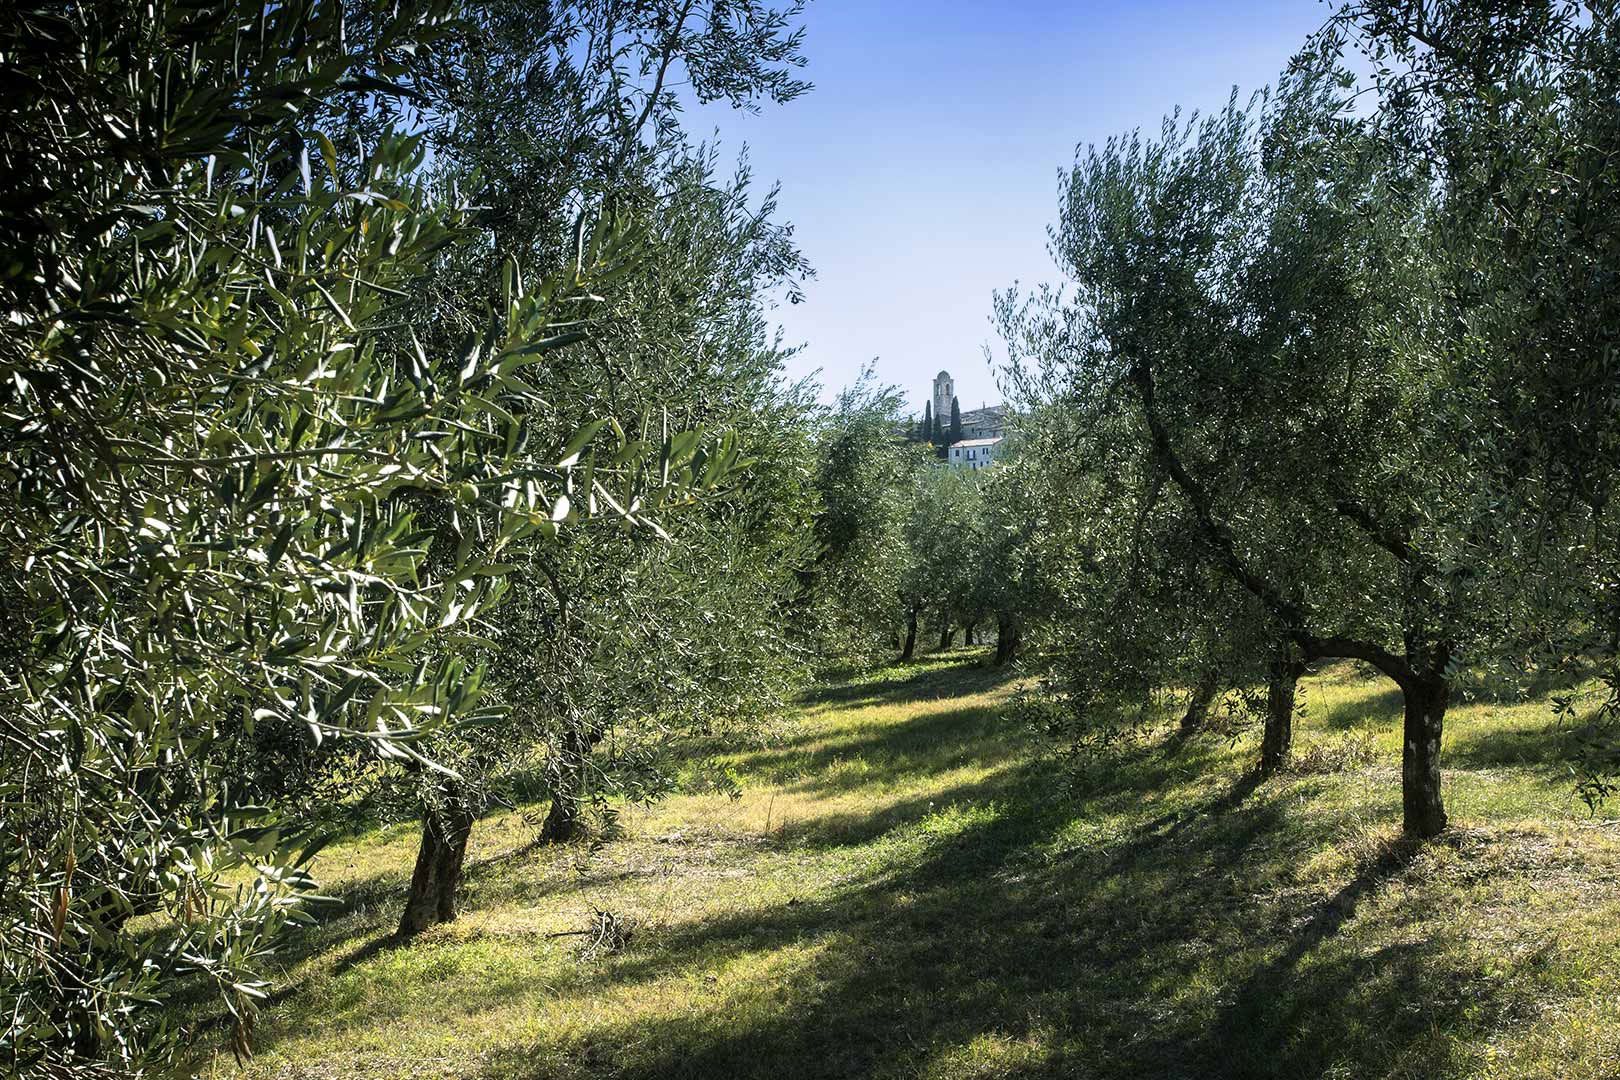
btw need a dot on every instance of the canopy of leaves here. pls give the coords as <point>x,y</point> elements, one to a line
<point>246,489</point>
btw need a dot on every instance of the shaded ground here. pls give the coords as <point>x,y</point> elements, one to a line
<point>908,888</point>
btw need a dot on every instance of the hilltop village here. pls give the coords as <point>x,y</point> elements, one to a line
<point>966,440</point>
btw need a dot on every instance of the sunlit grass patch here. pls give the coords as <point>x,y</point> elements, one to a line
<point>904,887</point>
<point>992,1054</point>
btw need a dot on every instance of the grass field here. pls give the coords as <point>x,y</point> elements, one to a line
<point>907,888</point>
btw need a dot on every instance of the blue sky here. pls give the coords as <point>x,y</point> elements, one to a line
<point>921,172</point>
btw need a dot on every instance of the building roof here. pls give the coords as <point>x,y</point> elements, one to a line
<point>976,442</point>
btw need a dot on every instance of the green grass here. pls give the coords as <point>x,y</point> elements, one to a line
<point>907,888</point>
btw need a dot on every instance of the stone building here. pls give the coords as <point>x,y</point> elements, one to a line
<point>989,422</point>
<point>982,428</point>
<point>944,393</point>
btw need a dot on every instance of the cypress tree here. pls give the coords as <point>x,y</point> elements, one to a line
<point>956,423</point>
<point>928,422</point>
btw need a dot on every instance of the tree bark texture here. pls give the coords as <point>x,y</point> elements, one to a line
<point>562,822</point>
<point>1009,637</point>
<point>1203,696</point>
<point>1278,740</point>
<point>439,863</point>
<point>1423,811</point>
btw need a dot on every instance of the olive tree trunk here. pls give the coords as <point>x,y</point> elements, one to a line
<point>1203,695</point>
<point>967,633</point>
<point>947,634</point>
<point>910,647</point>
<point>1423,811</point>
<point>1009,637</point>
<point>439,863</point>
<point>1278,740</point>
<point>563,822</point>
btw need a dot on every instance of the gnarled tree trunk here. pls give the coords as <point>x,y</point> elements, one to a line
<point>967,634</point>
<point>439,863</point>
<point>1278,740</point>
<point>1009,637</point>
<point>947,634</point>
<point>910,647</point>
<point>1203,695</point>
<point>1423,812</point>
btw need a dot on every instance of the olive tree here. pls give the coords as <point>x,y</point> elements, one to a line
<point>1510,110</point>
<point>540,120</point>
<point>1233,280</point>
<point>221,441</point>
<point>535,117</point>
<point>1090,554</point>
<point>863,483</point>
<point>943,508</point>
<point>1286,297</point>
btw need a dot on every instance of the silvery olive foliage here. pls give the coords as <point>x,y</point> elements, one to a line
<point>1343,354</point>
<point>866,478</point>
<point>624,647</point>
<point>225,455</point>
<point>1514,105</point>
<point>621,647</point>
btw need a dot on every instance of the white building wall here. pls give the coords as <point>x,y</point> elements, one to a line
<point>973,457</point>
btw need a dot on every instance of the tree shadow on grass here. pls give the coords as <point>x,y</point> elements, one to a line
<point>1183,946</point>
<point>360,920</point>
<point>1116,962</point>
<point>1548,748</point>
<point>883,755</point>
<point>951,674</point>
<point>1276,995</point>
<point>1380,708</point>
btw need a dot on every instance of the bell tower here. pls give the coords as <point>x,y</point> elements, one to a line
<point>944,391</point>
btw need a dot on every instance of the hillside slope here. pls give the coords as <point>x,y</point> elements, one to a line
<point>906,889</point>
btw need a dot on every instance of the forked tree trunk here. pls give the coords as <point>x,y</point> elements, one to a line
<point>1423,812</point>
<point>1009,637</point>
<point>1203,695</point>
<point>946,636</point>
<point>439,862</point>
<point>910,647</point>
<point>1278,740</point>
<point>967,634</point>
<point>1425,694</point>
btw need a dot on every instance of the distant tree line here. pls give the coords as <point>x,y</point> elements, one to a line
<point>907,547</point>
<point>939,433</point>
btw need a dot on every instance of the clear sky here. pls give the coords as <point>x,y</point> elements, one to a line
<point>921,172</point>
